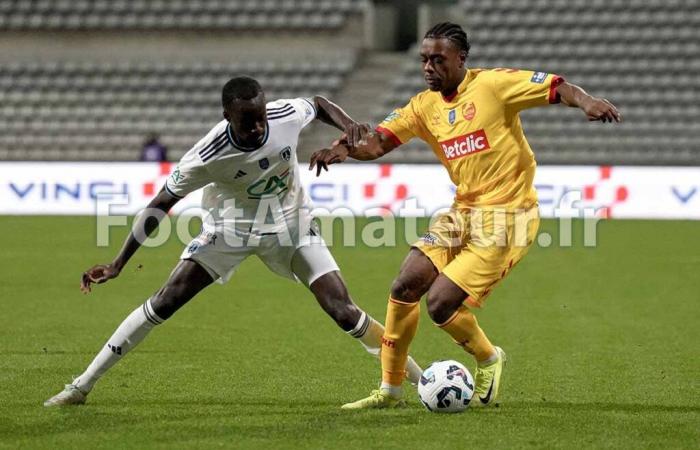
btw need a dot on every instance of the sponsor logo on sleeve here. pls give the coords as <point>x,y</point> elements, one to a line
<point>465,145</point>
<point>177,176</point>
<point>286,153</point>
<point>391,117</point>
<point>539,77</point>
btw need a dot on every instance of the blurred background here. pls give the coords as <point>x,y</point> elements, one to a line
<point>128,80</point>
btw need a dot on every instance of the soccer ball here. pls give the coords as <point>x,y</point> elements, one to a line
<point>446,386</point>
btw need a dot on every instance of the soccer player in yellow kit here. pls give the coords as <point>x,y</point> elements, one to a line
<point>469,117</point>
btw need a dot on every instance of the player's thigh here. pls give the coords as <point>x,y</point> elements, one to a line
<point>415,277</point>
<point>477,270</point>
<point>310,263</point>
<point>185,281</point>
<point>218,254</point>
<point>523,235</point>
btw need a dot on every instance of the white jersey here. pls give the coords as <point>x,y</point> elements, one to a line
<point>243,187</point>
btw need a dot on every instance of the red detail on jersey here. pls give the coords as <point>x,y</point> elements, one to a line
<point>165,168</point>
<point>605,172</point>
<point>369,190</point>
<point>554,96</point>
<point>465,145</point>
<point>588,192</point>
<point>148,189</point>
<point>388,133</point>
<point>450,97</point>
<point>385,171</point>
<point>401,192</point>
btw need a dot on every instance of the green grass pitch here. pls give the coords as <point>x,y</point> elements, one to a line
<point>603,348</point>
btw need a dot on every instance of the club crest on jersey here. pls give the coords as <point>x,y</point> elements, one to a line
<point>264,163</point>
<point>469,111</point>
<point>286,153</point>
<point>452,116</point>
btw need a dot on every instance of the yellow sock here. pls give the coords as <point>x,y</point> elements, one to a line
<point>401,326</point>
<point>465,330</point>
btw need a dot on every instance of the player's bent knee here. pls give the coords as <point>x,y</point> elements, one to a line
<point>440,308</point>
<point>408,290</point>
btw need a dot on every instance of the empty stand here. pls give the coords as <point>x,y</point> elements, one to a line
<point>66,110</point>
<point>175,14</point>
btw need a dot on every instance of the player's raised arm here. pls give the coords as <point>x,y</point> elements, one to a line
<point>594,107</point>
<point>144,225</point>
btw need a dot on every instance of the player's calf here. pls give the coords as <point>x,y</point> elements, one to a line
<point>332,295</point>
<point>127,336</point>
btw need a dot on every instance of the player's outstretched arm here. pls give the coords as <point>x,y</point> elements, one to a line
<point>333,115</point>
<point>144,225</point>
<point>594,107</point>
<point>369,145</point>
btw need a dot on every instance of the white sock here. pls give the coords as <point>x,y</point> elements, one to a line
<point>127,336</point>
<point>370,333</point>
<point>490,360</point>
<point>393,391</point>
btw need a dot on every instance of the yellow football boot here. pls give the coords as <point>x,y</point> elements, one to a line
<point>488,381</point>
<point>376,400</point>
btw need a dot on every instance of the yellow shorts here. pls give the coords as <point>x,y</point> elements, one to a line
<point>477,248</point>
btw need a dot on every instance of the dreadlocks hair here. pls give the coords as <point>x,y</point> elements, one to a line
<point>452,32</point>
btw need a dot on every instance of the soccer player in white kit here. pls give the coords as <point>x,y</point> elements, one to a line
<point>255,205</point>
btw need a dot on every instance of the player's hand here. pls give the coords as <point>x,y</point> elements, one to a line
<point>322,158</point>
<point>97,274</point>
<point>601,109</point>
<point>357,133</point>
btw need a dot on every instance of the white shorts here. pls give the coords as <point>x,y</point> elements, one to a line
<point>220,256</point>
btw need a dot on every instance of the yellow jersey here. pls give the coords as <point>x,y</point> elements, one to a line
<point>477,135</point>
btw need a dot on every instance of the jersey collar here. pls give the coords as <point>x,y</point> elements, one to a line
<point>460,88</point>
<point>237,146</point>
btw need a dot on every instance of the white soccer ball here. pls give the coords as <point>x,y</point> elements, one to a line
<point>446,386</point>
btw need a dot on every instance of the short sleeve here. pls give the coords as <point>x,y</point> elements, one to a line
<point>189,175</point>
<point>402,124</point>
<point>305,109</point>
<point>524,89</point>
